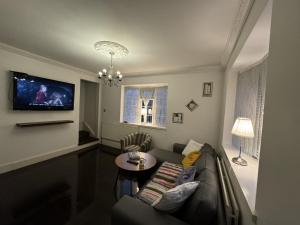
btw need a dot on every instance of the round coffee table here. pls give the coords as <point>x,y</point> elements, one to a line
<point>130,176</point>
<point>121,162</point>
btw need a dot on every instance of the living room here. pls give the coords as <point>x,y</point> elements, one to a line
<point>211,84</point>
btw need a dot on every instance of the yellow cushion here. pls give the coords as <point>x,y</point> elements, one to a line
<point>190,159</point>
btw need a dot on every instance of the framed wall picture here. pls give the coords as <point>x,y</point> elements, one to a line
<point>177,118</point>
<point>192,105</point>
<point>207,89</point>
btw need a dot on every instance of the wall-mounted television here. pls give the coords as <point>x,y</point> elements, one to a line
<point>37,93</point>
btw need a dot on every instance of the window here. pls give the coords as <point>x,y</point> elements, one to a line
<point>146,111</point>
<point>250,99</point>
<point>144,105</point>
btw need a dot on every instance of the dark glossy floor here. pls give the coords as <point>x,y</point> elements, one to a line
<point>73,189</point>
<point>99,211</point>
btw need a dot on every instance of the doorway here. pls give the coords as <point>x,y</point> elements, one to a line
<point>89,111</point>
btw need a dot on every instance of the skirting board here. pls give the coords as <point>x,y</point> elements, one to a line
<point>7,167</point>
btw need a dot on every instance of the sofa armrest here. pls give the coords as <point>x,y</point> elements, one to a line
<point>122,144</point>
<point>127,140</point>
<point>178,148</point>
<point>130,211</point>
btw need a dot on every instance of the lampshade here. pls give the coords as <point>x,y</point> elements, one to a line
<point>243,128</point>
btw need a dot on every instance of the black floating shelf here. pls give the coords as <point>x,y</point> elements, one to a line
<point>43,123</point>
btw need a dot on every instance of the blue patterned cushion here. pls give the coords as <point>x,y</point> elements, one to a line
<point>187,175</point>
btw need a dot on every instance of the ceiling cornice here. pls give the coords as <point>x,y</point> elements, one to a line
<point>187,70</point>
<point>193,69</point>
<point>40,58</point>
<point>239,22</point>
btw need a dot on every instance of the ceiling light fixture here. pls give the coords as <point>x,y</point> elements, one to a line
<point>111,77</point>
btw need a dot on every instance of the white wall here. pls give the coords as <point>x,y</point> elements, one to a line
<point>201,124</point>
<point>278,198</point>
<point>228,107</point>
<point>18,144</point>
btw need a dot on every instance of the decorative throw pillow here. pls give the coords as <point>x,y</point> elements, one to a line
<point>187,175</point>
<point>151,192</point>
<point>167,174</point>
<point>190,159</point>
<point>174,198</point>
<point>164,179</point>
<point>191,147</point>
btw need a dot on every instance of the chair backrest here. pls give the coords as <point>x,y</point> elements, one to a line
<point>140,137</point>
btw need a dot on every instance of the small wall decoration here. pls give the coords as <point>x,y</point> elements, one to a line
<point>207,89</point>
<point>192,105</point>
<point>177,118</point>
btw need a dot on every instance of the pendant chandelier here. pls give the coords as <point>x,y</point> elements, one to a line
<point>111,76</point>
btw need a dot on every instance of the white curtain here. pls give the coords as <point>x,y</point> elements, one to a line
<point>131,105</point>
<point>250,99</point>
<point>161,97</point>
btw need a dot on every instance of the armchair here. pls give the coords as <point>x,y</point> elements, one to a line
<point>136,142</point>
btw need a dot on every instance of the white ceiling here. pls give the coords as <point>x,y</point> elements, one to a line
<point>257,45</point>
<point>161,35</point>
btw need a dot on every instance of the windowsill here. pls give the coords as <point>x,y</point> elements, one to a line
<point>246,175</point>
<point>143,125</point>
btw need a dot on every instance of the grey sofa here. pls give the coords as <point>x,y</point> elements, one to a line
<point>204,207</point>
<point>137,141</point>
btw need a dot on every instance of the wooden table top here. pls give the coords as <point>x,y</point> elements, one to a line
<point>121,162</point>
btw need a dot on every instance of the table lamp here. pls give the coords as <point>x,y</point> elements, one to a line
<point>244,129</point>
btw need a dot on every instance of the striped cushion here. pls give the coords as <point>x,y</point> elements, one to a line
<point>151,192</point>
<point>167,174</point>
<point>163,180</point>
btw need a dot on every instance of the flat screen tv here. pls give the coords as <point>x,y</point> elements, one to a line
<point>37,93</point>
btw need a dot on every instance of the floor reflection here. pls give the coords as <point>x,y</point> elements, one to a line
<point>73,189</point>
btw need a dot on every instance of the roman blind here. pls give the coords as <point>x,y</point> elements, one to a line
<point>161,96</point>
<point>250,99</point>
<point>131,105</point>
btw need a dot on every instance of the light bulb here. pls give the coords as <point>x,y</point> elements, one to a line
<point>100,74</point>
<point>120,77</point>
<point>109,76</point>
<point>104,71</point>
<point>118,73</point>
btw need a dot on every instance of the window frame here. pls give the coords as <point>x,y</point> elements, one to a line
<point>140,86</point>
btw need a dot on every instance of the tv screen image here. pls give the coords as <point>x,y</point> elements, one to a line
<point>36,93</point>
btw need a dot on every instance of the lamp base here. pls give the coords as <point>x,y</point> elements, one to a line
<point>240,161</point>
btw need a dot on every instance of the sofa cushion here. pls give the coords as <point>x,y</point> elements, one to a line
<point>190,159</point>
<point>151,192</point>
<point>206,161</point>
<point>164,155</point>
<point>191,147</point>
<point>164,179</point>
<point>167,174</point>
<point>187,175</point>
<point>208,149</point>
<point>174,198</point>
<point>201,207</point>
